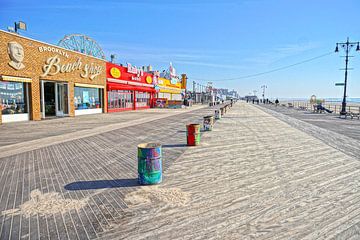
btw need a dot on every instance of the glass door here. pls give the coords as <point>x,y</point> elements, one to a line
<point>49,99</point>
<point>62,104</point>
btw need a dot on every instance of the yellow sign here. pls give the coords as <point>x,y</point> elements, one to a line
<point>167,83</point>
<point>115,72</point>
<point>149,79</point>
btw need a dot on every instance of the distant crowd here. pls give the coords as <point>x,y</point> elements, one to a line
<point>264,101</point>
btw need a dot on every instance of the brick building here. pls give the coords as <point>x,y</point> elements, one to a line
<point>39,80</point>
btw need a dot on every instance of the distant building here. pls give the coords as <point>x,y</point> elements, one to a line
<point>250,97</point>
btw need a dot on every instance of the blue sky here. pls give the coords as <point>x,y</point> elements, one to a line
<point>212,40</point>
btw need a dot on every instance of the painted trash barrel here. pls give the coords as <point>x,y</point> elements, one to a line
<point>217,114</point>
<point>208,123</point>
<point>149,163</point>
<point>193,134</point>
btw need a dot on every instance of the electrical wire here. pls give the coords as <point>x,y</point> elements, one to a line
<point>267,72</point>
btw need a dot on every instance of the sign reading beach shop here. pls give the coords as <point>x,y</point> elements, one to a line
<point>53,65</point>
<point>128,73</point>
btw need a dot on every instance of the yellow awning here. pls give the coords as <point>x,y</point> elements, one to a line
<point>15,79</point>
<point>88,85</point>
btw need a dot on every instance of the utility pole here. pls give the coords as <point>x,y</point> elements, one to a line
<point>347,47</point>
<point>263,94</point>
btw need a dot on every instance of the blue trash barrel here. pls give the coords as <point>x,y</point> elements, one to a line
<point>149,163</point>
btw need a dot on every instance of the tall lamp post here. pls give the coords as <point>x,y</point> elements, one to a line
<point>263,94</point>
<point>347,46</point>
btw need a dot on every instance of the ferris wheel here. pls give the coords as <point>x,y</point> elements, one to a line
<point>82,43</point>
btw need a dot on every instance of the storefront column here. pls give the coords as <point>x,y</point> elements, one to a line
<point>71,102</point>
<point>105,100</point>
<point>35,95</point>
<point>134,100</point>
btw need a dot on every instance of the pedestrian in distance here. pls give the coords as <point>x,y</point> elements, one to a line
<point>277,102</point>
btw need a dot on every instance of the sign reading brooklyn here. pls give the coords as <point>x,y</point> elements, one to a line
<point>54,66</point>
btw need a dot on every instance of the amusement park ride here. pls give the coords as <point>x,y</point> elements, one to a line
<point>82,43</point>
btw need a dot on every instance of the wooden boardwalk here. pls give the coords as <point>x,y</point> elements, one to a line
<point>253,177</point>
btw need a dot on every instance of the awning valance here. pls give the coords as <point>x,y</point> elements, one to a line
<point>116,86</point>
<point>15,79</point>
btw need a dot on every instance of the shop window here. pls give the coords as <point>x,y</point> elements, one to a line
<point>87,98</point>
<point>142,99</point>
<point>13,97</point>
<point>120,99</point>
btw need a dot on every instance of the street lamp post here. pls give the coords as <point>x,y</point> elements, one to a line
<point>347,47</point>
<point>263,94</point>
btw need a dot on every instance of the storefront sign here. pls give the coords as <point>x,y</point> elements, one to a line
<point>54,66</point>
<point>149,79</point>
<point>54,50</point>
<point>135,70</point>
<point>115,72</point>
<point>129,73</point>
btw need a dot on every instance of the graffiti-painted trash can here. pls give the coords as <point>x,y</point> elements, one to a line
<point>149,163</point>
<point>208,123</point>
<point>217,114</point>
<point>193,134</point>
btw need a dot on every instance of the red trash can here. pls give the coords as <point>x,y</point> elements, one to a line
<point>193,134</point>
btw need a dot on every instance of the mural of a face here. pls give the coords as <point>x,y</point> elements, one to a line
<point>16,54</point>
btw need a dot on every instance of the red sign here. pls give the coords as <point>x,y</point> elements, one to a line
<point>128,74</point>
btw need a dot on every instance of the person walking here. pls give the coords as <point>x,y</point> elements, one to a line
<point>277,102</point>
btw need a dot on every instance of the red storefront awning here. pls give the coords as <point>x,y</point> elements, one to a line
<point>119,86</point>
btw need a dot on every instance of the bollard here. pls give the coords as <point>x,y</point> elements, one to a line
<point>193,134</point>
<point>149,163</point>
<point>217,115</point>
<point>208,123</point>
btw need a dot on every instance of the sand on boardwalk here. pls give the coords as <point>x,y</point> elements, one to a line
<point>46,204</point>
<point>151,194</point>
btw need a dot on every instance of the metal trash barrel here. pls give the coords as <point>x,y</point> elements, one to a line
<point>208,123</point>
<point>149,163</point>
<point>193,134</point>
<point>217,114</point>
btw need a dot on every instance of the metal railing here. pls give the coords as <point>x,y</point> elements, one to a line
<point>335,107</point>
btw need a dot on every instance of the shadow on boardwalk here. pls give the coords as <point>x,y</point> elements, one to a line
<point>174,145</point>
<point>101,184</point>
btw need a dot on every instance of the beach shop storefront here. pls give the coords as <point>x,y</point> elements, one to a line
<point>128,88</point>
<point>39,80</point>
